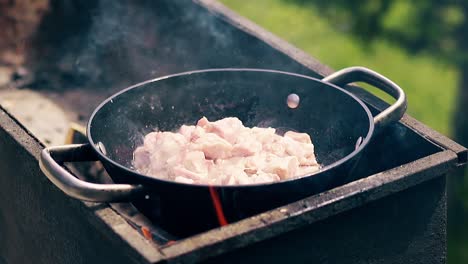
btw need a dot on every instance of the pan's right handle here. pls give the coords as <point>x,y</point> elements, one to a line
<point>51,161</point>
<point>360,74</point>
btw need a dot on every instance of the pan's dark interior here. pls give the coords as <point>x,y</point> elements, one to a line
<point>333,118</point>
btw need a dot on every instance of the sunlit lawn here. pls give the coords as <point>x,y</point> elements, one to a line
<point>429,84</point>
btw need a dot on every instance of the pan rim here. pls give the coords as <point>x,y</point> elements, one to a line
<point>322,170</point>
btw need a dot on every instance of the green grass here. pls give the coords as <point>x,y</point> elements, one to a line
<point>430,85</point>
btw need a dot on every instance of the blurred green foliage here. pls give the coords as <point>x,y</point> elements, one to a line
<point>429,83</point>
<point>436,27</point>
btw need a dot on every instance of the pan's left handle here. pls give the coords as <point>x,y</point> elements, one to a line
<point>51,161</point>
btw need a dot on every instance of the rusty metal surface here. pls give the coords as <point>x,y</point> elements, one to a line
<point>310,210</point>
<point>39,224</point>
<point>409,227</point>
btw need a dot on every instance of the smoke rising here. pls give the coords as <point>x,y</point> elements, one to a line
<point>108,45</point>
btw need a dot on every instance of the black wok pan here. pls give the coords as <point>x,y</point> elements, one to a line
<point>340,125</point>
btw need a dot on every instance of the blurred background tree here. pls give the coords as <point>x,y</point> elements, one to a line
<point>436,27</point>
<point>427,41</point>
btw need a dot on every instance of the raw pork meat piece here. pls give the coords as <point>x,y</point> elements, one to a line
<point>225,152</point>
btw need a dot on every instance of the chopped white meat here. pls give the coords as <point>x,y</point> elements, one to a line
<point>214,146</point>
<point>246,148</point>
<point>264,177</point>
<point>225,152</point>
<point>283,167</point>
<point>183,172</point>
<point>183,180</point>
<point>187,131</point>
<point>299,137</point>
<point>307,170</point>
<point>227,128</point>
<point>141,157</point>
<point>304,152</point>
<point>195,161</point>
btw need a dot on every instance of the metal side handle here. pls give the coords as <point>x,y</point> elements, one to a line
<point>360,74</point>
<point>51,161</point>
